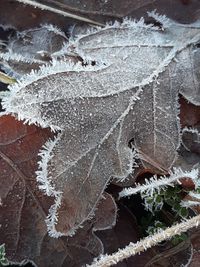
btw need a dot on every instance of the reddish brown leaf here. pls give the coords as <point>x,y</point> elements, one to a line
<point>125,231</point>
<point>24,207</point>
<point>189,113</point>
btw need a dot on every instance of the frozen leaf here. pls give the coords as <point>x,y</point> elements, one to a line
<point>189,114</point>
<point>153,134</point>
<point>23,207</point>
<point>31,48</point>
<point>189,150</point>
<point>188,156</point>
<point>191,139</point>
<point>33,42</point>
<point>190,84</point>
<point>100,108</point>
<point>162,95</point>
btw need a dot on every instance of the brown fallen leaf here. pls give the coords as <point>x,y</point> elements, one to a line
<point>26,51</point>
<point>195,257</point>
<point>125,231</point>
<point>24,207</point>
<point>189,114</point>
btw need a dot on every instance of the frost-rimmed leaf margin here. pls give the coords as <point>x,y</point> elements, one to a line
<point>192,131</point>
<point>44,71</point>
<point>46,185</point>
<point>134,23</point>
<point>45,154</point>
<point>52,28</point>
<point>10,55</point>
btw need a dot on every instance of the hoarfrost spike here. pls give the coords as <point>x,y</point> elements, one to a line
<point>155,184</point>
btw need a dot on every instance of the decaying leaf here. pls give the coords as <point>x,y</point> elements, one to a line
<point>130,94</point>
<point>24,208</point>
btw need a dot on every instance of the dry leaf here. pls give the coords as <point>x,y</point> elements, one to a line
<point>189,113</point>
<point>100,108</point>
<point>24,208</point>
<point>30,49</point>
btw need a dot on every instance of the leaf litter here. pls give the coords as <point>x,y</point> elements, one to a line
<point>130,93</point>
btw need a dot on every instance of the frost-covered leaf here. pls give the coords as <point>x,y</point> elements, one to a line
<point>190,84</point>
<point>189,114</point>
<point>189,156</point>
<point>100,109</point>
<point>23,207</point>
<point>34,43</point>
<point>162,95</point>
<point>32,48</point>
<point>191,139</point>
<point>155,123</point>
